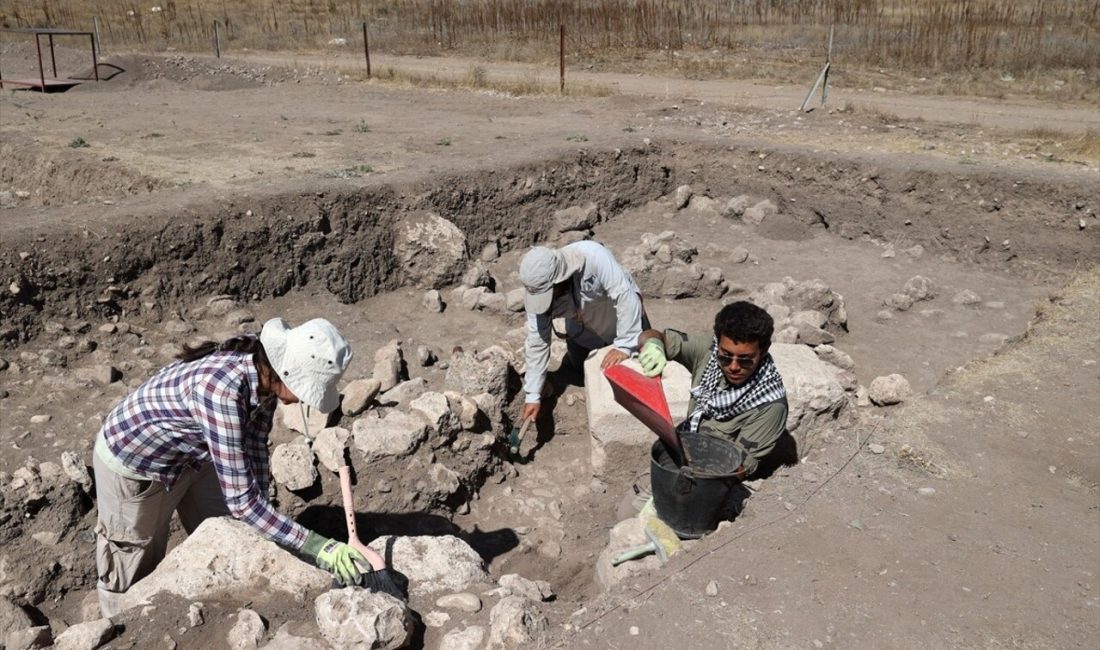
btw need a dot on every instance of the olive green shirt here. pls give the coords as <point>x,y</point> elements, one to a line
<point>756,430</point>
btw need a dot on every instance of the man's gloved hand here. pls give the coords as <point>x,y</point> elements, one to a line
<point>652,357</point>
<point>336,557</point>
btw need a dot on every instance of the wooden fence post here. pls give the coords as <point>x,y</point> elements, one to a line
<point>366,48</point>
<point>561,55</point>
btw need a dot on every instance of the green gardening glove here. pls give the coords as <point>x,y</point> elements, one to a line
<point>335,557</point>
<point>652,357</point>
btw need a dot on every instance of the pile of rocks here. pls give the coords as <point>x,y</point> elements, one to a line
<point>228,562</point>
<point>663,266</point>
<point>438,443</point>
<point>806,312</point>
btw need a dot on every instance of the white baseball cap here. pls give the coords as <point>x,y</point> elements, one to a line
<point>309,359</point>
<point>540,269</point>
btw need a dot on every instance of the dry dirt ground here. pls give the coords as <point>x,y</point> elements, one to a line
<point>977,526</point>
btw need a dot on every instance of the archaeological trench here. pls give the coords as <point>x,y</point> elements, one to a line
<point>855,258</point>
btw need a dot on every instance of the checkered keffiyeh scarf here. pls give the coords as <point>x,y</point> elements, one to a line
<point>712,401</point>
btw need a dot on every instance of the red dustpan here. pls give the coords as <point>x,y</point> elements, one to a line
<point>644,398</point>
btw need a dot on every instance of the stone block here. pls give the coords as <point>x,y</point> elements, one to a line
<point>224,559</point>
<point>619,442</point>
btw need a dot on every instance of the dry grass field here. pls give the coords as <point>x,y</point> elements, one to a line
<point>996,48</point>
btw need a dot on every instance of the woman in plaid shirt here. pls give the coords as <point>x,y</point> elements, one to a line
<point>193,440</point>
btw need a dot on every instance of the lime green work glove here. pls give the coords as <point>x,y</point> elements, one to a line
<point>335,557</point>
<point>652,357</point>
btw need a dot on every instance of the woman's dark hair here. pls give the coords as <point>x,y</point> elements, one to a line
<point>744,322</point>
<point>244,343</point>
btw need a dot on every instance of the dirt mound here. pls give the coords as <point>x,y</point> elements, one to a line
<point>144,71</point>
<point>34,176</point>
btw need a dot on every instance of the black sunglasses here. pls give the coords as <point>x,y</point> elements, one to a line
<point>743,360</point>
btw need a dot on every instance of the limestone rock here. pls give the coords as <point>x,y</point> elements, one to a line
<point>430,250</point>
<point>692,281</point>
<point>227,559</point>
<point>292,465</point>
<point>919,288</point>
<point>425,356</point>
<point>247,632</point>
<point>314,421</point>
<point>736,206</point>
<point>432,301</point>
<point>435,563</point>
<point>329,446</point>
<point>444,481</point>
<point>466,410</point>
<point>682,197</point>
<point>404,393</point>
<point>195,614</point>
<point>12,618</point>
<point>100,374</point>
<point>73,466</point>
<point>351,619</point>
<point>463,601</point>
<point>284,639</point>
<point>358,395</point>
<point>469,638</point>
<point>514,300</point>
<point>838,358</point>
<point>396,435</point>
<point>489,252</point>
<point>759,212</point>
<point>813,336</point>
<point>625,534</point>
<point>513,584</point>
<point>703,205</point>
<point>30,638</point>
<point>436,409</point>
<point>478,275</point>
<point>389,364</point>
<point>473,298</point>
<point>899,301</point>
<point>515,622</point>
<point>966,297</point>
<point>578,217</point>
<point>812,387</point>
<point>471,374</point>
<point>889,389</point>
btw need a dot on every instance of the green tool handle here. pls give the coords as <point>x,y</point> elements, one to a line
<point>634,553</point>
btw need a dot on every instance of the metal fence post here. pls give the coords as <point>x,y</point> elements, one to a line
<point>98,49</point>
<point>217,41</point>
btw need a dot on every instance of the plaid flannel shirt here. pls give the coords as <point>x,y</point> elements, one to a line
<point>207,410</point>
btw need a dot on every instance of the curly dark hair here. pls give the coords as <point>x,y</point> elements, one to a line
<point>744,322</point>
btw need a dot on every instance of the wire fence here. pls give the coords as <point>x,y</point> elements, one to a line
<point>934,35</point>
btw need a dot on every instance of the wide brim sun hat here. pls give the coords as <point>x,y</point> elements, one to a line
<point>308,359</point>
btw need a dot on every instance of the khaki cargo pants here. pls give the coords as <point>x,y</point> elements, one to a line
<point>133,524</point>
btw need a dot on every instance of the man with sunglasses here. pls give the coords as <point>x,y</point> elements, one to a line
<point>599,299</point>
<point>737,391</point>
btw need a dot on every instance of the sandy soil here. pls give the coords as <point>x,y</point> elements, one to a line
<point>977,526</point>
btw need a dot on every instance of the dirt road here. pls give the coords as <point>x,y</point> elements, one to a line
<point>986,113</point>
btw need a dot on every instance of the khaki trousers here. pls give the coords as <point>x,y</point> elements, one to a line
<point>133,523</point>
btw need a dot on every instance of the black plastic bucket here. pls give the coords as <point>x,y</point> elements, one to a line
<point>691,505</point>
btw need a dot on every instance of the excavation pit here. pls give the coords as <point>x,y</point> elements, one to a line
<point>125,287</point>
